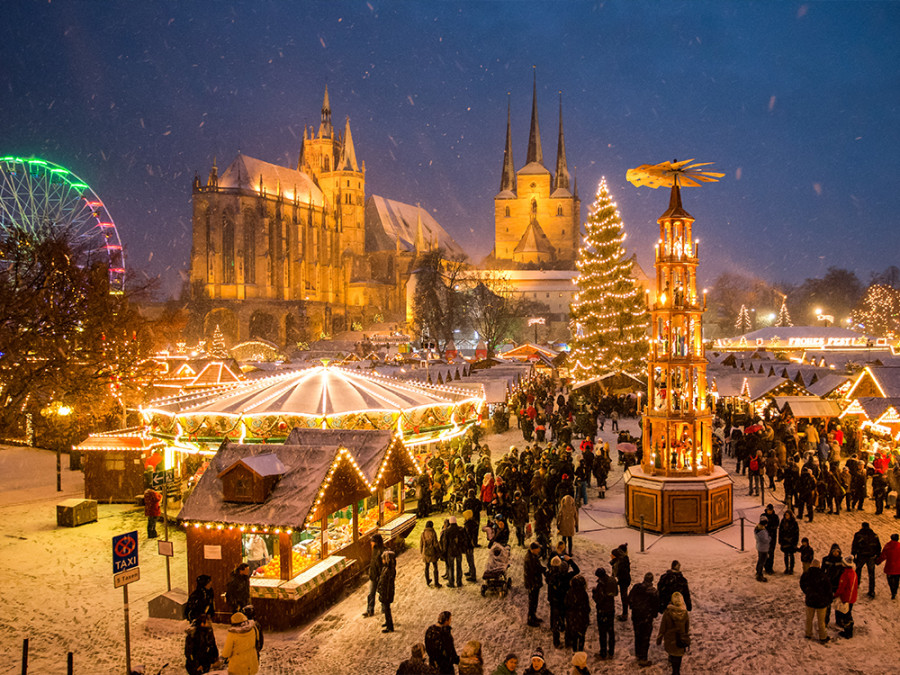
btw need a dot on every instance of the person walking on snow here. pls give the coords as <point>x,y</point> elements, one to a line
<point>644,603</point>
<point>761,533</point>
<point>890,556</point>
<point>844,599</point>
<point>865,549</point>
<point>675,631</point>
<point>817,594</point>
<point>386,584</point>
<point>430,548</point>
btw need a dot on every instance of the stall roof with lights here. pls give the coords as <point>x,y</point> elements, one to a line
<point>307,463</point>
<point>808,406</point>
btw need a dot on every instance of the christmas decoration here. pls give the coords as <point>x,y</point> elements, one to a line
<point>608,316</point>
<point>742,325</point>
<point>784,319</point>
<point>878,313</point>
<point>218,349</point>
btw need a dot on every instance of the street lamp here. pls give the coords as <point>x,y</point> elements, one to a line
<point>827,318</point>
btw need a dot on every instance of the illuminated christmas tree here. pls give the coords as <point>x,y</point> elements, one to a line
<point>608,315</point>
<point>742,325</point>
<point>878,313</point>
<point>784,319</point>
<point>218,345</point>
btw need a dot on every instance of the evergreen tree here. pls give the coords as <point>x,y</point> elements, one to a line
<point>218,349</point>
<point>609,319</point>
<point>742,325</point>
<point>784,319</point>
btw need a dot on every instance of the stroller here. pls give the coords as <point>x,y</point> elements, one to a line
<point>496,574</point>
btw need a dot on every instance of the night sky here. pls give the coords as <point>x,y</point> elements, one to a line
<point>798,103</point>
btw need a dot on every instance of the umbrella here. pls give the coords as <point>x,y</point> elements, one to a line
<point>630,448</point>
<point>753,428</point>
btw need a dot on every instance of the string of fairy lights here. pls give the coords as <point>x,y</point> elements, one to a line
<point>609,319</point>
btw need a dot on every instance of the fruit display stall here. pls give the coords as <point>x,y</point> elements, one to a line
<point>301,514</point>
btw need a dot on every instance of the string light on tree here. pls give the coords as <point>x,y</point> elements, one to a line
<point>743,323</point>
<point>608,315</point>
<point>784,319</point>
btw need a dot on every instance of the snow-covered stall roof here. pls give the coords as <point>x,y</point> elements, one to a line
<point>306,465</point>
<point>808,406</point>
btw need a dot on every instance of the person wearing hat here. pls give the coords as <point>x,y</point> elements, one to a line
<point>845,597</point>
<point>537,667</point>
<point>644,602</point>
<point>579,664</point>
<point>509,665</point>
<point>240,646</point>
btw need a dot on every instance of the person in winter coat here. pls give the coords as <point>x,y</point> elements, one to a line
<point>470,528</point>
<point>673,581</point>
<point>533,580</point>
<point>807,554</point>
<point>833,567</point>
<point>865,549</point>
<point>844,599</point>
<point>675,631</point>
<point>430,548</point>
<point>890,556</point>
<point>806,494</point>
<point>151,509</point>
<point>470,660</point>
<point>537,667</point>
<point>520,517</point>
<point>377,543</point>
<point>567,520</point>
<point>240,646</point>
<point>453,544</point>
<point>250,612</point>
<point>621,569</point>
<point>579,664</point>
<point>644,603</point>
<point>543,518</point>
<point>604,594</point>
<point>237,591</point>
<point>386,588</point>
<point>416,664</point>
<point>789,536</point>
<point>200,650</point>
<point>508,667</point>
<point>817,593</point>
<point>439,645</point>
<point>487,492</point>
<point>201,599</point>
<point>559,579</point>
<point>761,533</point>
<point>772,527</point>
<point>578,613</point>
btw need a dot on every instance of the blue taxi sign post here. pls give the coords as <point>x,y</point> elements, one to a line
<point>126,570</point>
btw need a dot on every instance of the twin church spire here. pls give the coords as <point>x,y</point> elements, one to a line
<point>535,153</point>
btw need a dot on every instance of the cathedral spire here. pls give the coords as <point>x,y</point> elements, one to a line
<point>348,152</point>
<point>421,245</point>
<point>301,160</point>
<point>325,129</point>
<point>535,154</point>
<point>508,177</point>
<point>561,181</point>
<point>213,180</point>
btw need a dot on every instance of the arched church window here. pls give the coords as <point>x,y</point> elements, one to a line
<point>507,212</point>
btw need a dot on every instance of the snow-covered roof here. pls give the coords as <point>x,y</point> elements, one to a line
<point>306,465</point>
<point>808,406</point>
<point>388,220</point>
<point>261,465</point>
<point>244,173</point>
<point>827,384</point>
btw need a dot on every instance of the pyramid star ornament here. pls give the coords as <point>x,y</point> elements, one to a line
<point>670,174</point>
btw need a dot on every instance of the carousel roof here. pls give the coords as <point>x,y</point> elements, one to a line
<point>317,391</point>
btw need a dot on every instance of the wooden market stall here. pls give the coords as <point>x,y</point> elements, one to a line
<point>115,464</point>
<point>301,514</point>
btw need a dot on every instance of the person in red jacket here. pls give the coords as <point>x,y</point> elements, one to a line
<point>151,509</point>
<point>890,555</point>
<point>845,597</point>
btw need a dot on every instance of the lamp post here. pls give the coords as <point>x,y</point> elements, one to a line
<point>536,321</point>
<point>62,411</point>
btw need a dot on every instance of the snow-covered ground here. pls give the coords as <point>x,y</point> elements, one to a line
<point>57,591</point>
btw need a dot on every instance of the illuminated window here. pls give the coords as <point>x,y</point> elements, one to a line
<point>507,215</point>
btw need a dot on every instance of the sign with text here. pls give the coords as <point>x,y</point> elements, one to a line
<point>125,552</point>
<point>124,578</point>
<point>159,478</point>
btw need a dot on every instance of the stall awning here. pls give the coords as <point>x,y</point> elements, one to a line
<point>808,406</point>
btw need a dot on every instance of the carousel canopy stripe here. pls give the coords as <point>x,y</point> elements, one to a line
<point>306,466</point>
<point>317,391</point>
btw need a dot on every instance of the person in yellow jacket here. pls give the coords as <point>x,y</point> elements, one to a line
<point>240,646</point>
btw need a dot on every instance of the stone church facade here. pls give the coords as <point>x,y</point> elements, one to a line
<point>295,253</point>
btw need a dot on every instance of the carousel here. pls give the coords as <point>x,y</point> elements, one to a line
<point>321,397</point>
<point>676,487</point>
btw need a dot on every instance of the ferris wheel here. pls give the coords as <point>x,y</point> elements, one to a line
<point>41,197</point>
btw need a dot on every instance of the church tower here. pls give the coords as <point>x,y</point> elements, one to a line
<point>537,215</point>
